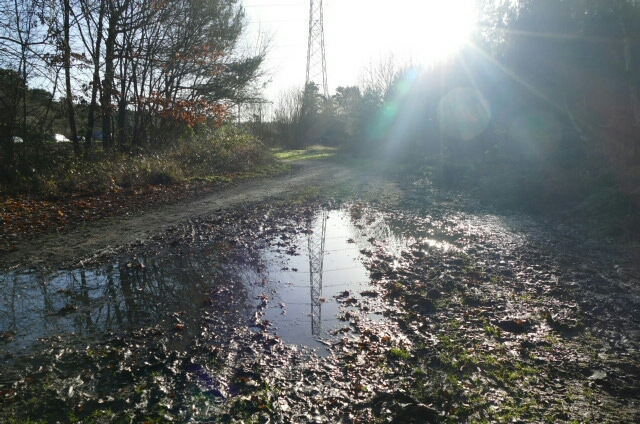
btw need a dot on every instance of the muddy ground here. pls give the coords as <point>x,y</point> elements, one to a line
<point>470,314</point>
<point>82,241</point>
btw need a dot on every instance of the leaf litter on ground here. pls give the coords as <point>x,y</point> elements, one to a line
<point>479,318</point>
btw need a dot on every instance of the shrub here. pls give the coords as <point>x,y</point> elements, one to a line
<point>227,149</point>
<point>208,154</point>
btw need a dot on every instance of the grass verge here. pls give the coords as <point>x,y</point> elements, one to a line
<point>220,155</point>
<point>311,153</point>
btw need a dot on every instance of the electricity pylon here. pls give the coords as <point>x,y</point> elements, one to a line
<point>316,63</point>
<point>316,258</point>
<point>316,73</point>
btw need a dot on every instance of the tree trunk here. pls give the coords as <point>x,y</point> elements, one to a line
<point>93,106</point>
<point>121,131</point>
<point>116,9</point>
<point>109,75</point>
<point>11,86</point>
<point>67,79</point>
<point>634,100</point>
<point>122,105</point>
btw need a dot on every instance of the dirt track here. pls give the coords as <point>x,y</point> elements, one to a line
<point>479,317</point>
<point>77,244</point>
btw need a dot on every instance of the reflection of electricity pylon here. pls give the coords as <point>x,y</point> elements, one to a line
<point>316,63</point>
<point>316,256</point>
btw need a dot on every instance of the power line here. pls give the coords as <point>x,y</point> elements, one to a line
<point>276,21</point>
<point>332,285</point>
<point>273,5</point>
<point>330,270</point>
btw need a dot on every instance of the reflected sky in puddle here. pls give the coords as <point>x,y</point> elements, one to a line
<point>82,304</point>
<point>285,286</point>
<point>264,284</point>
<point>280,288</point>
<point>284,291</point>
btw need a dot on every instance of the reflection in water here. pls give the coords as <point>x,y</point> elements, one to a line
<point>302,297</point>
<point>289,292</point>
<point>316,237</point>
<point>240,278</point>
<point>84,303</point>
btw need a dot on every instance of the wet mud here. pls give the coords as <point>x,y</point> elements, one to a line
<point>430,308</point>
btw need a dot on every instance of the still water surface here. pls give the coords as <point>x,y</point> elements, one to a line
<point>267,286</point>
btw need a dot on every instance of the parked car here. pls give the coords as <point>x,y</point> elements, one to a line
<point>17,139</point>
<point>60,138</point>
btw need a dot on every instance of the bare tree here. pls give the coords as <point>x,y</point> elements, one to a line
<point>142,66</point>
<point>66,61</point>
<point>286,115</point>
<point>379,76</point>
<point>90,29</point>
<point>11,87</point>
<point>115,9</point>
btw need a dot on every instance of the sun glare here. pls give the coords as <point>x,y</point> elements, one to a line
<point>436,29</point>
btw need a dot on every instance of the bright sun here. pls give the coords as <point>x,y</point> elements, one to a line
<point>435,29</point>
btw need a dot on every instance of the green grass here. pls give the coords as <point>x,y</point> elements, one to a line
<point>311,153</point>
<point>399,353</point>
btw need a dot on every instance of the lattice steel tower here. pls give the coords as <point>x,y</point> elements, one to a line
<point>316,73</point>
<point>316,63</point>
<point>316,259</point>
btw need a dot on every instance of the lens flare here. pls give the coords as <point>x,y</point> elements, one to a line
<point>463,113</point>
<point>536,133</point>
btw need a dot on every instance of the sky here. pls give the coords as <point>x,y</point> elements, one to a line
<point>358,34</point>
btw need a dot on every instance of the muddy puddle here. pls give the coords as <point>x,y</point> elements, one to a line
<point>276,285</point>
<point>313,313</point>
<point>82,305</point>
<point>306,281</point>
